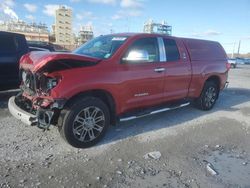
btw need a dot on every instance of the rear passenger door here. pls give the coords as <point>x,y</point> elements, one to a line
<point>177,70</point>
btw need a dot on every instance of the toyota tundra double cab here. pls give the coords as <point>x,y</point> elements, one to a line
<point>117,77</point>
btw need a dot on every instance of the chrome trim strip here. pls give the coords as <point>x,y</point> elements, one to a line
<point>154,112</point>
<point>128,118</point>
<point>185,104</point>
<point>161,110</point>
<point>161,49</point>
<point>160,69</point>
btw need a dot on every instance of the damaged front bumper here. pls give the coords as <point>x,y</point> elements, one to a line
<point>25,117</point>
<point>43,118</point>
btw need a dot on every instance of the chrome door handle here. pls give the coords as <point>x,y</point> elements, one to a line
<point>160,70</point>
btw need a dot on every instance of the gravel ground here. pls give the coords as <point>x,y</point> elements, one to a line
<point>198,149</point>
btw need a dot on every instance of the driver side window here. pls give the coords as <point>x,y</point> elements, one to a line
<point>148,46</point>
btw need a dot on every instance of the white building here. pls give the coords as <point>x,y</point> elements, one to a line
<point>152,27</point>
<point>85,34</point>
<point>32,32</point>
<point>63,26</point>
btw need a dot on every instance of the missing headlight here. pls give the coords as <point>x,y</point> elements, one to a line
<point>46,82</point>
<point>28,79</point>
<point>51,83</point>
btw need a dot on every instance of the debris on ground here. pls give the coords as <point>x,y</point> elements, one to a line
<point>31,158</point>
<point>153,155</point>
<point>119,172</point>
<point>244,163</point>
<point>210,169</point>
<point>217,146</point>
<point>131,162</point>
<point>98,178</point>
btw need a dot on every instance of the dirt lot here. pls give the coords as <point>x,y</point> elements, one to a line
<point>190,141</point>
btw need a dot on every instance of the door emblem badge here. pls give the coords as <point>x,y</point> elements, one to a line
<point>141,94</point>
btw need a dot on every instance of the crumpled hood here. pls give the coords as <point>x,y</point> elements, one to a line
<point>36,61</point>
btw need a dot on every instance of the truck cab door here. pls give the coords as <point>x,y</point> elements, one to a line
<point>177,69</point>
<point>142,82</point>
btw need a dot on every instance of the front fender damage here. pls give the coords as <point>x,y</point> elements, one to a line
<point>41,73</point>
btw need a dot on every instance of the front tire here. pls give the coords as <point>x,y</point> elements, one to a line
<point>84,122</point>
<point>208,96</point>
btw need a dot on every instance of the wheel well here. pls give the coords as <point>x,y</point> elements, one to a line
<point>105,96</point>
<point>214,79</point>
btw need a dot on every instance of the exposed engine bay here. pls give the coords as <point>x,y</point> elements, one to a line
<point>35,98</point>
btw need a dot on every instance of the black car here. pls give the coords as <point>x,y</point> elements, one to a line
<point>12,47</point>
<point>40,46</point>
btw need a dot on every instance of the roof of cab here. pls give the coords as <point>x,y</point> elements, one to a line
<point>199,49</point>
<point>139,34</point>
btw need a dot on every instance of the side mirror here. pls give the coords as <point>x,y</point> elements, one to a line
<point>137,56</point>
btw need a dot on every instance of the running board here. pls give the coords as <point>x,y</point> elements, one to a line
<point>153,112</point>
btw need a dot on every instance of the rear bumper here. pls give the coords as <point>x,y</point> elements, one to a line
<point>20,114</point>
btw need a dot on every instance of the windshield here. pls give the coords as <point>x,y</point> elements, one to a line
<point>102,47</point>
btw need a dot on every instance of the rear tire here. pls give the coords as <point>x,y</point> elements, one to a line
<point>84,122</point>
<point>208,96</point>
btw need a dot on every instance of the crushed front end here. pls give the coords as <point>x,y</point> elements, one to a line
<point>34,105</point>
<point>42,94</point>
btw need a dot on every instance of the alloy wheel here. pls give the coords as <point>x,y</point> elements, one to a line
<point>210,96</point>
<point>88,124</point>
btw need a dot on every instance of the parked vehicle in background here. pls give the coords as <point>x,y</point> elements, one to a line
<point>45,46</point>
<point>12,47</point>
<point>40,46</point>
<point>235,61</point>
<point>247,61</point>
<point>232,62</point>
<point>117,77</point>
<point>240,60</point>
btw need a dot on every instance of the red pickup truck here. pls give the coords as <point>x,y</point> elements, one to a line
<point>117,77</point>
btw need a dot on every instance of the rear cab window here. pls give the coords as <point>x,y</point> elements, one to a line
<point>171,50</point>
<point>22,46</point>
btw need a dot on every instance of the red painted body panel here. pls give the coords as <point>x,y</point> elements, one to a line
<point>208,59</point>
<point>177,75</point>
<point>36,60</point>
<point>135,86</point>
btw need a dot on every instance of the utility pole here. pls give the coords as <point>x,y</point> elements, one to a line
<point>239,48</point>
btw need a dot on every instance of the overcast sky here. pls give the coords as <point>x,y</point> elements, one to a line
<point>226,21</point>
